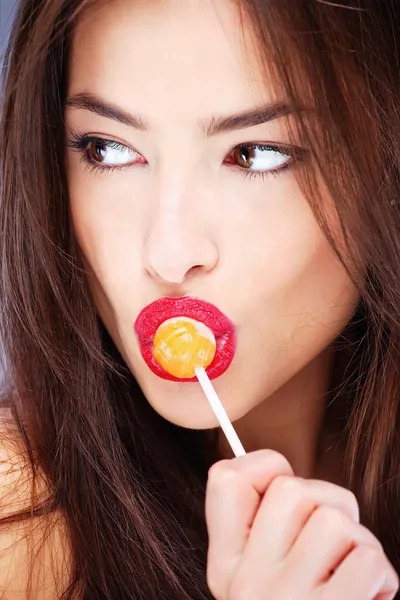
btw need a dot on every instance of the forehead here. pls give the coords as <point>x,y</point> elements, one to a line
<point>175,58</point>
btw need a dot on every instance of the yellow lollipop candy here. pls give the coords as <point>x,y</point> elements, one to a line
<point>182,344</point>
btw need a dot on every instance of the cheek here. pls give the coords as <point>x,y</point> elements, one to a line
<point>281,256</point>
<point>108,226</point>
<point>291,293</point>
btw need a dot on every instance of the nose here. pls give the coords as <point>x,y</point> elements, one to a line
<point>178,242</point>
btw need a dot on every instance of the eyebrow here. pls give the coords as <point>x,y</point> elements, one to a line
<point>211,127</point>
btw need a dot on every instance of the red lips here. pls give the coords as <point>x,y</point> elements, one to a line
<point>153,315</point>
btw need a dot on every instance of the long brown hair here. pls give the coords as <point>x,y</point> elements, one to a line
<point>130,484</point>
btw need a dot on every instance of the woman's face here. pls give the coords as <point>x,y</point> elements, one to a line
<point>166,204</point>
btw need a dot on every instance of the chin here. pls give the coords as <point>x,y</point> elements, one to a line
<point>185,404</point>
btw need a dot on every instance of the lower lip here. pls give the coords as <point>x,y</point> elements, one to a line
<point>153,315</point>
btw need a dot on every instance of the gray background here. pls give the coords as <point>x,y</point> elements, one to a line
<point>6,11</point>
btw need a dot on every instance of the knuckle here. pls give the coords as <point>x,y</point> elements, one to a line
<point>277,462</point>
<point>288,487</point>
<point>281,463</point>
<point>328,520</point>
<point>374,563</point>
<point>351,501</point>
<point>273,461</point>
<point>371,540</point>
<point>374,557</point>
<point>219,467</point>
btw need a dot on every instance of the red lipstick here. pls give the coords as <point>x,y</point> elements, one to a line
<point>153,315</point>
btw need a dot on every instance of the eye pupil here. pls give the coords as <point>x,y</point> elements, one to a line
<point>96,151</point>
<point>244,156</point>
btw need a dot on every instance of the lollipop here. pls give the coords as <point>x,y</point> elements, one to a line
<point>182,344</point>
<point>185,347</point>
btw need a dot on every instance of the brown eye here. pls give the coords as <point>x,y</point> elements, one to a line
<point>111,153</point>
<point>260,157</point>
<point>103,153</point>
<point>244,156</point>
<point>96,151</point>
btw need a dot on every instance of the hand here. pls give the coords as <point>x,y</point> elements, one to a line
<point>274,536</point>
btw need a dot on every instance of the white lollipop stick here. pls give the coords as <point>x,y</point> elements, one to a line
<point>219,412</point>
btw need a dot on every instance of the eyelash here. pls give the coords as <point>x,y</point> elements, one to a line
<point>80,142</point>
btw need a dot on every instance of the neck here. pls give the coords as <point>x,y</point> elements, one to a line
<point>289,421</point>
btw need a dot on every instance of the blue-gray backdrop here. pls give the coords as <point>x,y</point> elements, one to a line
<point>6,11</point>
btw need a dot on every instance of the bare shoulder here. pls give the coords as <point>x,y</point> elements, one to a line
<point>34,552</point>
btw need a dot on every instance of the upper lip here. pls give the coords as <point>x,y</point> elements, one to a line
<point>153,315</point>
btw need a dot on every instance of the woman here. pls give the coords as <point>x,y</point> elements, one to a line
<point>247,155</point>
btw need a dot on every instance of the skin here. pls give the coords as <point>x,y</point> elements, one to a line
<point>181,221</point>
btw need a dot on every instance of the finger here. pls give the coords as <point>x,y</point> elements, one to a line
<point>326,539</point>
<point>233,495</point>
<point>365,573</point>
<point>258,468</point>
<point>284,511</point>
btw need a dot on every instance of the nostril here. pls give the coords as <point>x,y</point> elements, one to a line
<point>194,272</point>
